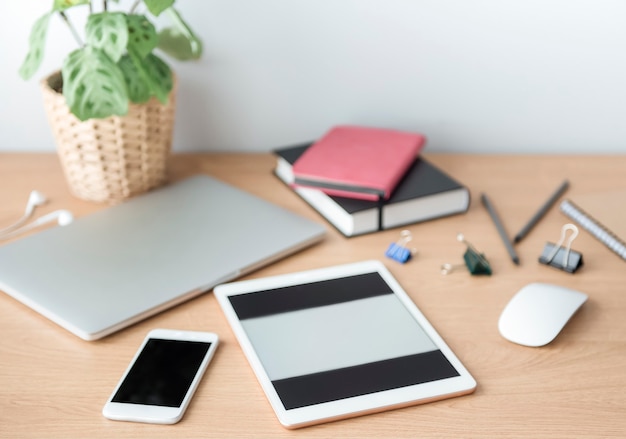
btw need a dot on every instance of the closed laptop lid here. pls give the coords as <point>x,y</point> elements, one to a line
<point>117,266</point>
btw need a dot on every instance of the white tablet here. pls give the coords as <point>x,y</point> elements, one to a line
<point>341,341</point>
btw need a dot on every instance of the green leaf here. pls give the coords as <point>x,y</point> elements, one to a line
<point>36,43</point>
<point>179,41</point>
<point>93,85</point>
<point>62,5</point>
<point>142,36</point>
<point>156,73</point>
<point>138,90</point>
<point>108,31</point>
<point>176,45</point>
<point>157,6</point>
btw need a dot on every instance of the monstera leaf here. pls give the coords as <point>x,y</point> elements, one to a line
<point>157,6</point>
<point>36,44</point>
<point>62,5</point>
<point>93,85</point>
<point>179,41</point>
<point>155,73</point>
<point>108,31</point>
<point>37,39</point>
<point>138,89</point>
<point>142,36</point>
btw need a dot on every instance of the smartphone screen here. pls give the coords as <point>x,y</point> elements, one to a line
<point>162,377</point>
<point>162,373</point>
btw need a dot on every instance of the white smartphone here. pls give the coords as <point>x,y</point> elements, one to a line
<point>162,377</point>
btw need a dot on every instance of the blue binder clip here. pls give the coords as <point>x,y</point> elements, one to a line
<point>398,250</point>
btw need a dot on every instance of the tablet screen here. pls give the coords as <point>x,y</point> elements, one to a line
<point>338,338</point>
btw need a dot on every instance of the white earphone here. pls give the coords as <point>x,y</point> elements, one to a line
<point>35,199</point>
<point>62,217</point>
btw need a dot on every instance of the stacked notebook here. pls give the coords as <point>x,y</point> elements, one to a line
<point>380,187</point>
<point>358,162</point>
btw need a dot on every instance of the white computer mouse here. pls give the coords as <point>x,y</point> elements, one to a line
<point>538,312</point>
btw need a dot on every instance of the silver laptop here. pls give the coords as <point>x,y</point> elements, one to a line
<point>110,269</point>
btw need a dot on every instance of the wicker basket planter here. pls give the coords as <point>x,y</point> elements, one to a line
<point>112,159</point>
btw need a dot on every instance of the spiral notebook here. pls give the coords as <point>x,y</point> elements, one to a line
<point>603,215</point>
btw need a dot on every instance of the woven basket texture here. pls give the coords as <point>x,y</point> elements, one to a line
<point>110,160</point>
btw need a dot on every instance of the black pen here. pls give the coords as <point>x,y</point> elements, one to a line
<point>542,211</point>
<point>500,227</point>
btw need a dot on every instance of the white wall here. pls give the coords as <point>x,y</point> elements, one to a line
<point>473,75</point>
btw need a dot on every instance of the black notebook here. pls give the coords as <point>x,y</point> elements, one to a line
<point>424,193</point>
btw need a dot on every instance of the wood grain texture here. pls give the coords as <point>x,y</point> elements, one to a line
<point>54,384</point>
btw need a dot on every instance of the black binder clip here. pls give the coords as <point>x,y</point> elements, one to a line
<point>563,258</point>
<point>398,250</point>
<point>475,261</point>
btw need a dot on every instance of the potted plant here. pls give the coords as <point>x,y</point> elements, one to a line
<point>111,106</point>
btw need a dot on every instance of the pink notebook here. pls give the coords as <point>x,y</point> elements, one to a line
<point>358,162</point>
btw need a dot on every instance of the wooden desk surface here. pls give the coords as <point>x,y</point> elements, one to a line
<point>52,384</point>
